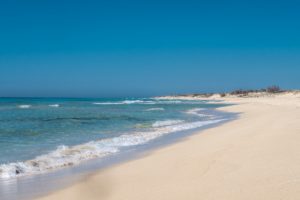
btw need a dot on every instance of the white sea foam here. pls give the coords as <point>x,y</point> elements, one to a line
<point>65,156</point>
<point>148,102</point>
<point>196,111</point>
<point>24,106</point>
<point>155,109</point>
<point>54,105</point>
<point>170,102</point>
<point>123,102</point>
<point>166,123</point>
<point>108,103</point>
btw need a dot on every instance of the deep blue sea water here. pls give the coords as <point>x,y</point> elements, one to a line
<point>42,134</point>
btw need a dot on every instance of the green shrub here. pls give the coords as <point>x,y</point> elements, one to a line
<point>273,89</point>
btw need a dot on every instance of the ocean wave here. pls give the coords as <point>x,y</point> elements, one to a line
<point>166,123</point>
<point>155,109</point>
<point>124,102</point>
<point>109,103</point>
<point>24,106</point>
<point>170,102</point>
<point>65,156</point>
<point>146,102</point>
<point>196,111</point>
<point>54,105</point>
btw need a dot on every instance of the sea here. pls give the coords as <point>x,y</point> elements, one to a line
<point>42,135</point>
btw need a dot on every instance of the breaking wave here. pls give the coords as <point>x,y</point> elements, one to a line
<point>155,109</point>
<point>124,102</point>
<point>197,112</point>
<point>65,156</point>
<point>54,105</point>
<point>166,123</point>
<point>24,106</point>
<point>147,102</point>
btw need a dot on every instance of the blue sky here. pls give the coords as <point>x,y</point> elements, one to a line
<point>142,48</point>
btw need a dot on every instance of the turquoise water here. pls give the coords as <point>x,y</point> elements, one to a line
<point>40,134</point>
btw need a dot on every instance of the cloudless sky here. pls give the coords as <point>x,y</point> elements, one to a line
<point>140,48</point>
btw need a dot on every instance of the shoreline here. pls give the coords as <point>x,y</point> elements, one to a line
<point>98,140</point>
<point>62,178</point>
<point>253,157</point>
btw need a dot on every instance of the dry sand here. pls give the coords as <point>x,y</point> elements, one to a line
<point>254,157</point>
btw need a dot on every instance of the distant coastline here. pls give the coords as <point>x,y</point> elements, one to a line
<point>239,93</point>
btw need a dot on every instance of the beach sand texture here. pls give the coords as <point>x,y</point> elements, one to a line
<point>256,157</point>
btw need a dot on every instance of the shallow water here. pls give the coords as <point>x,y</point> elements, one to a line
<point>39,136</point>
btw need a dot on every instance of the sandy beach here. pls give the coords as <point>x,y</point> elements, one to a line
<point>254,157</point>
